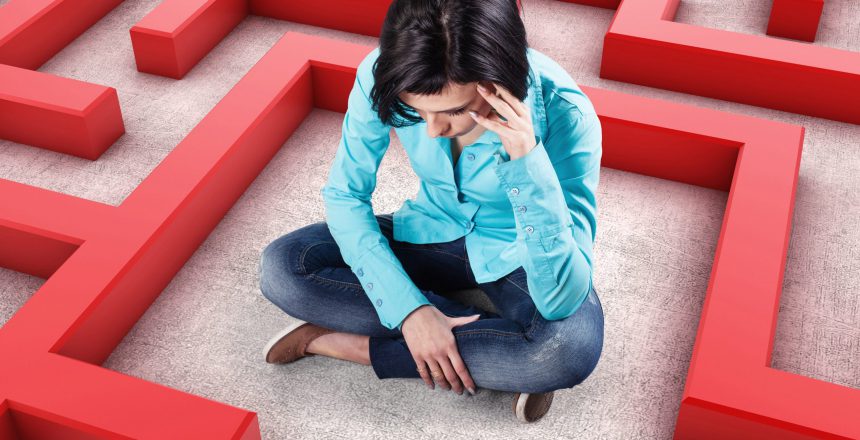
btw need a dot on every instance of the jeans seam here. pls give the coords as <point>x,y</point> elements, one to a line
<point>489,331</point>
<point>534,315</point>
<point>305,251</point>
<point>324,280</point>
<point>345,283</point>
<point>428,250</point>
<point>319,278</point>
<point>302,257</point>
<point>467,266</point>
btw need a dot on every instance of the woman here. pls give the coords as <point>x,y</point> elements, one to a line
<point>506,204</point>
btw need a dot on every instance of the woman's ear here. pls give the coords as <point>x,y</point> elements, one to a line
<point>489,86</point>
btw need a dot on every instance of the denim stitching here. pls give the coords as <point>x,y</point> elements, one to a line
<point>489,331</point>
<point>467,266</point>
<point>323,280</point>
<point>305,251</point>
<point>345,283</point>
<point>319,278</point>
<point>428,250</point>
<point>534,315</point>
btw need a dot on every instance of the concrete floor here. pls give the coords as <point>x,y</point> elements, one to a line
<point>655,246</point>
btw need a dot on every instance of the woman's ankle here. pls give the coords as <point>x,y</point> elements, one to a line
<point>345,346</point>
<point>322,345</point>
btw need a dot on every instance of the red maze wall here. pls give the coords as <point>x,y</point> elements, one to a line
<point>105,264</point>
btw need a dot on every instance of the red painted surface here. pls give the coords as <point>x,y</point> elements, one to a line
<point>43,110</point>
<point>796,19</point>
<point>606,4</point>
<point>177,34</point>
<point>32,31</point>
<point>360,17</point>
<point>644,46</point>
<point>107,264</point>
<point>58,114</point>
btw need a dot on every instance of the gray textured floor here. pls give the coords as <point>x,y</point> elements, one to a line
<point>654,251</point>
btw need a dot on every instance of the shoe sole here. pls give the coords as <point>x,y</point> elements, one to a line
<point>280,336</point>
<point>520,408</point>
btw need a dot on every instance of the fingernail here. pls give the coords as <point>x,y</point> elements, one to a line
<point>482,88</point>
<point>473,114</point>
<point>471,391</point>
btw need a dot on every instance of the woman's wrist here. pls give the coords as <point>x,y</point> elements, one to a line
<point>417,312</point>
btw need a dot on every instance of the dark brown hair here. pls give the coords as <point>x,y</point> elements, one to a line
<point>425,44</point>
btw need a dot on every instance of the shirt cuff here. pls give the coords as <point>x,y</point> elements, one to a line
<point>389,288</point>
<point>534,191</point>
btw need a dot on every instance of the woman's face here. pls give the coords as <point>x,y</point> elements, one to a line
<point>447,114</point>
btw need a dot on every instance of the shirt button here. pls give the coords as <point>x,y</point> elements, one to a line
<point>369,286</point>
<point>471,156</point>
<point>379,302</point>
<point>360,272</point>
<point>530,229</point>
<point>515,191</point>
<point>522,208</point>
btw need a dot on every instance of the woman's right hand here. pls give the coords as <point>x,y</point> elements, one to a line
<point>428,335</point>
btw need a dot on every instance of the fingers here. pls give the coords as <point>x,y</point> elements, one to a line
<point>493,122</point>
<point>494,117</point>
<point>447,371</point>
<point>424,372</point>
<point>462,371</point>
<point>519,106</point>
<point>450,375</point>
<point>438,374</point>
<point>498,103</point>
<point>436,357</point>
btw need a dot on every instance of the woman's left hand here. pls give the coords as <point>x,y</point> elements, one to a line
<point>517,133</point>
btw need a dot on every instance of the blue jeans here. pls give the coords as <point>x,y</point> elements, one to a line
<point>516,349</point>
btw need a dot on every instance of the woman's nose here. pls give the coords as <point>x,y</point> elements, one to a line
<point>436,127</point>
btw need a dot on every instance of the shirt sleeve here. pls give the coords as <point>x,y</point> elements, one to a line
<point>552,190</point>
<point>349,213</point>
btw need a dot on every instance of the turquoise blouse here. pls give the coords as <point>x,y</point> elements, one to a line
<point>538,211</point>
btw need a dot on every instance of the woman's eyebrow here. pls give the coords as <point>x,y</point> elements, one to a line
<point>451,109</point>
<point>457,108</point>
